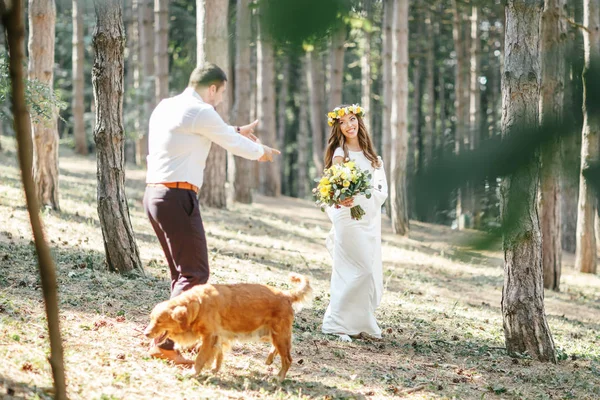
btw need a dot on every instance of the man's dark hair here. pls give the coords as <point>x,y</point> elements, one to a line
<point>206,75</point>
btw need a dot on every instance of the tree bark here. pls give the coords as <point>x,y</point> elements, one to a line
<point>399,129</point>
<point>241,108</point>
<point>281,119</point>
<point>525,326</point>
<point>552,46</point>
<point>459,103</point>
<point>161,44</point>
<point>365,70</point>
<point>13,22</point>
<point>429,135</point>
<point>81,146</point>
<point>213,46</point>
<point>474,199</point>
<point>270,179</point>
<point>42,18</point>
<point>303,134</point>
<point>336,81</point>
<point>387,82</point>
<point>585,254</point>
<point>146,41</point>
<point>315,82</point>
<point>122,254</point>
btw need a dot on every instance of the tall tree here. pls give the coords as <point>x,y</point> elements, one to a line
<point>398,126</point>
<point>365,66</point>
<point>459,101</point>
<point>585,253</point>
<point>525,326</point>
<point>552,46</point>
<point>386,83</point>
<point>429,134</point>
<point>213,46</point>
<point>77,105</point>
<point>241,108</point>
<point>13,21</point>
<point>146,75</point>
<point>161,55</point>
<point>314,72</point>
<point>121,250</point>
<point>336,79</point>
<point>270,179</point>
<point>474,109</point>
<point>303,134</point>
<point>42,18</point>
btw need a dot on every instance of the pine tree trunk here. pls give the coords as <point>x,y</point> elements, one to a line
<point>303,134</point>
<point>365,72</point>
<point>270,179</point>
<point>525,326</point>
<point>281,119</point>
<point>585,254</point>
<point>459,102</point>
<point>146,37</point>
<point>77,104</point>
<point>13,22</point>
<point>429,135</point>
<point>161,44</point>
<point>135,101</point>
<point>399,128</point>
<point>213,45</point>
<point>131,62</point>
<point>42,18</point>
<point>474,199</point>
<point>241,108</point>
<point>386,83</point>
<point>315,82</point>
<point>336,81</point>
<point>552,47</point>
<point>122,253</point>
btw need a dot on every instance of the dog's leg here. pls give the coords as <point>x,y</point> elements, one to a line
<point>218,359</point>
<point>271,356</point>
<point>283,343</point>
<point>206,353</point>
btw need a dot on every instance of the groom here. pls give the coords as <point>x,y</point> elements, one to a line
<point>182,130</point>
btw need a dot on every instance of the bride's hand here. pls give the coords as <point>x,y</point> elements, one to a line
<point>347,203</point>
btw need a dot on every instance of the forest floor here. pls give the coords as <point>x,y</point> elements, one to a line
<point>443,335</point>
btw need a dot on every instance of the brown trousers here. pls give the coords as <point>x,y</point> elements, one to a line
<point>175,217</point>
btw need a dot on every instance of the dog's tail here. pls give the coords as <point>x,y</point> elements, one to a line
<point>303,293</point>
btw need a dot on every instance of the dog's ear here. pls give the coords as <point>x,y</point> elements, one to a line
<point>179,314</point>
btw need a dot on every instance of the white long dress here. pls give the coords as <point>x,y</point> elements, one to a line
<point>355,246</point>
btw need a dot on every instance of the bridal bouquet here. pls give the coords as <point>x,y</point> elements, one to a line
<point>342,181</point>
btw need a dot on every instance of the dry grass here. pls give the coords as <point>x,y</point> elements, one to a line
<point>440,311</point>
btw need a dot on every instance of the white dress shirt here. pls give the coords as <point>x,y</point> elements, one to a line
<point>182,129</point>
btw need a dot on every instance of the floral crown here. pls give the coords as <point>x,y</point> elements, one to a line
<point>341,111</point>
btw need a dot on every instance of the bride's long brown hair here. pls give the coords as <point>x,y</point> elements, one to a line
<point>337,139</point>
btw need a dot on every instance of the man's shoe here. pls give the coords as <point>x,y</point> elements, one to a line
<point>172,355</point>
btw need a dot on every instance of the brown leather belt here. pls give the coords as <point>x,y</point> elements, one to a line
<point>176,185</point>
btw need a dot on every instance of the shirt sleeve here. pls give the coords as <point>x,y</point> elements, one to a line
<point>209,124</point>
<point>339,152</point>
<point>380,186</point>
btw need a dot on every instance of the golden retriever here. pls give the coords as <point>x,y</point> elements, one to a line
<point>218,314</point>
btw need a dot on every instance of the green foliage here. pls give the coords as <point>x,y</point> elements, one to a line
<point>41,100</point>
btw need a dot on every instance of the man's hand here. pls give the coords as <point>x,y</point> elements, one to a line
<point>269,152</point>
<point>248,131</point>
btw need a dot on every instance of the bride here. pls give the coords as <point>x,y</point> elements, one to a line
<point>355,245</point>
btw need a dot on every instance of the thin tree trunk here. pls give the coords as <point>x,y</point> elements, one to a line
<point>13,22</point>
<point>161,43</point>
<point>303,134</point>
<point>42,18</point>
<point>399,129</point>
<point>525,326</point>
<point>122,253</point>
<point>336,81</point>
<point>213,45</point>
<point>429,135</point>
<point>459,102</point>
<point>315,84</point>
<point>552,46</point>
<point>131,62</point>
<point>241,108</point>
<point>146,37</point>
<point>474,113</point>
<point>386,90</point>
<point>365,70</point>
<point>270,183</point>
<point>585,254</point>
<point>136,99</point>
<point>77,105</point>
<point>281,119</point>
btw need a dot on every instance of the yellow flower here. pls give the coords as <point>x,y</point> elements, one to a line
<point>324,181</point>
<point>330,122</point>
<point>346,183</point>
<point>324,190</point>
<point>331,114</point>
<point>341,112</point>
<point>358,110</point>
<point>349,164</point>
